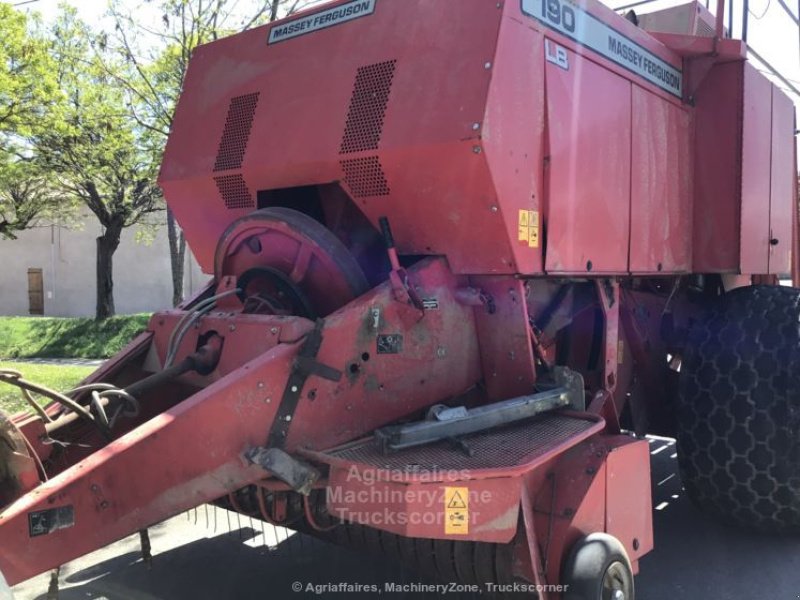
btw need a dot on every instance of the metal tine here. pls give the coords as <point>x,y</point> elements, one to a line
<point>228,518</point>
<point>206,507</point>
<point>215,510</point>
<point>239,523</point>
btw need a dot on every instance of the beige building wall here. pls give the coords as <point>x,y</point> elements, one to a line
<point>142,281</point>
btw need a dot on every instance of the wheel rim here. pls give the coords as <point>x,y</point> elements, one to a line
<point>616,583</point>
<point>304,259</point>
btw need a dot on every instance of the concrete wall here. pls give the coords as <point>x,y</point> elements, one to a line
<point>142,281</point>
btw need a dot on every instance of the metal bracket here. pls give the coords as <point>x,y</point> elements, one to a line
<point>303,367</point>
<point>300,476</point>
<point>449,423</point>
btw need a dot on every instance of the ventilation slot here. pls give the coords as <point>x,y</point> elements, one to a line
<point>367,107</point>
<point>364,177</point>
<point>234,191</point>
<point>233,143</point>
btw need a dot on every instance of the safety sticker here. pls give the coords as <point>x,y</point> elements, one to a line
<point>321,20</point>
<point>42,522</point>
<point>456,510</point>
<point>529,227</point>
<point>430,303</point>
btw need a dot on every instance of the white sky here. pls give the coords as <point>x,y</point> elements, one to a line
<point>771,32</point>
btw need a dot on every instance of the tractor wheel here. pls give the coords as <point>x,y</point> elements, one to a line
<point>738,410</point>
<point>598,568</point>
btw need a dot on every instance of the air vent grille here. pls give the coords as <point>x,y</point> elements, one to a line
<point>233,143</point>
<point>367,110</point>
<point>365,177</point>
<point>234,191</point>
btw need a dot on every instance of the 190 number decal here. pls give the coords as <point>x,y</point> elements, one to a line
<point>559,14</point>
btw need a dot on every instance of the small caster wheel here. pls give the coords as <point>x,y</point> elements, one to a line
<point>598,568</point>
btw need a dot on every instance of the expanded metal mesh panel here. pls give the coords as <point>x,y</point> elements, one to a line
<point>365,177</point>
<point>367,110</point>
<point>233,143</point>
<point>498,448</point>
<point>234,191</point>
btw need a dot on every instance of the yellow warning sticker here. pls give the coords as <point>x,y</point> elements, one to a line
<point>528,230</point>
<point>456,510</point>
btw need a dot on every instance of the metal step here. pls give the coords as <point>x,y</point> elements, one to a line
<point>511,448</point>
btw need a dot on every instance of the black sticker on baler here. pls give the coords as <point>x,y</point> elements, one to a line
<point>323,19</point>
<point>42,522</point>
<point>390,343</point>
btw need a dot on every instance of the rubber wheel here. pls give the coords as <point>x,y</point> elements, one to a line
<point>598,568</point>
<point>738,410</point>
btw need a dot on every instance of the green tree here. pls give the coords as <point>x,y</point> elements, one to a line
<point>27,85</point>
<point>93,147</point>
<point>158,58</point>
<point>26,74</point>
<point>26,197</point>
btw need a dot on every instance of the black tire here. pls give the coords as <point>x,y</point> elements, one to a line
<point>738,410</point>
<point>598,568</point>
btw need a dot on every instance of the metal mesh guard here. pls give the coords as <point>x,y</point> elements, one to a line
<point>499,448</point>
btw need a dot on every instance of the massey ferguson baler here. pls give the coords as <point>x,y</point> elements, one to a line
<point>461,250</point>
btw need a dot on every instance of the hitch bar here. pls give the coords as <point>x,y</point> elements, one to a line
<point>447,423</point>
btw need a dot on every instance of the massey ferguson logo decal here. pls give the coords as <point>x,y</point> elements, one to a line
<point>571,20</point>
<point>321,20</point>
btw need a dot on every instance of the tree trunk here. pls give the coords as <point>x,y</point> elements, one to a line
<point>177,257</point>
<point>107,244</point>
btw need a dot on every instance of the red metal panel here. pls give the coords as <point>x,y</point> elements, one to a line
<point>305,84</point>
<point>589,128</point>
<point>437,359</point>
<point>417,509</point>
<point>783,203</point>
<point>512,136</point>
<point>443,201</point>
<point>661,186</point>
<point>715,233</point>
<point>629,515</point>
<point>505,344</point>
<point>756,150</point>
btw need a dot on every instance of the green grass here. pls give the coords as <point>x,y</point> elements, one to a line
<point>50,337</point>
<point>57,377</point>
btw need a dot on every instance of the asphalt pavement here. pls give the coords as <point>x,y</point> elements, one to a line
<point>211,554</point>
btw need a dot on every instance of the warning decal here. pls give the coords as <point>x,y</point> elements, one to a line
<point>456,510</point>
<point>43,522</point>
<point>529,227</point>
